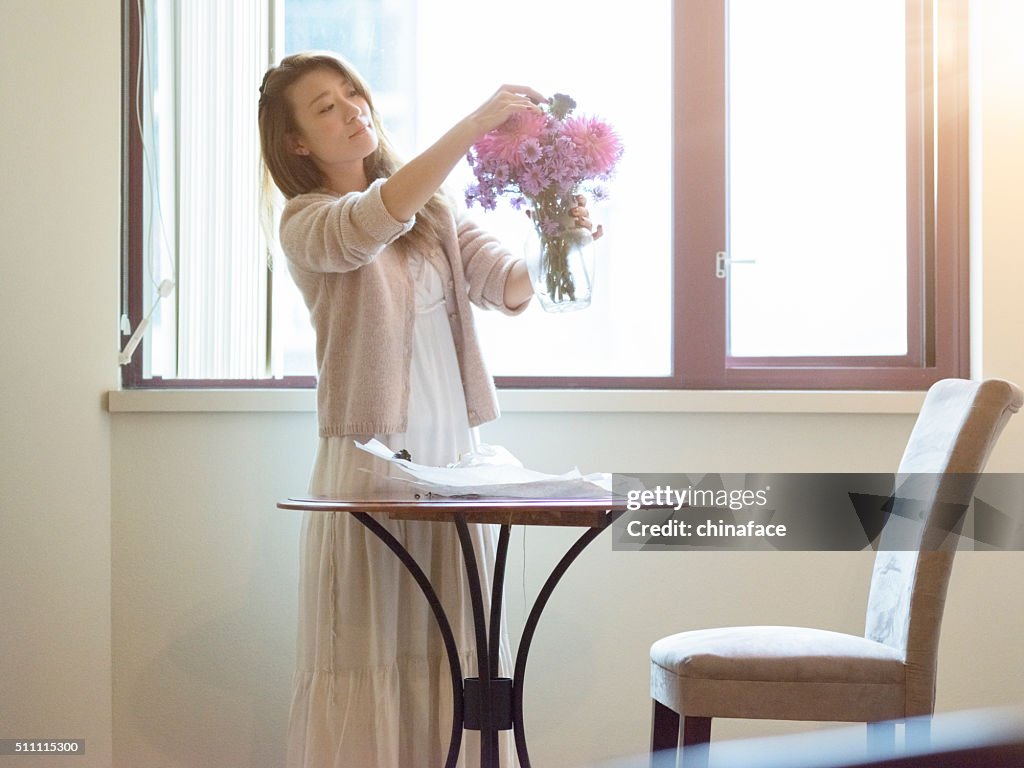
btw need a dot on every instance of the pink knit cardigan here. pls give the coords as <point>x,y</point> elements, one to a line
<point>361,303</point>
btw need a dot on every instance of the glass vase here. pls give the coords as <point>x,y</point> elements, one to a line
<point>560,260</point>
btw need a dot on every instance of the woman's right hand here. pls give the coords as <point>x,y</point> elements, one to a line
<point>508,100</point>
<point>412,185</point>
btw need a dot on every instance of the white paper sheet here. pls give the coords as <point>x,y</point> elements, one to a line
<point>493,471</point>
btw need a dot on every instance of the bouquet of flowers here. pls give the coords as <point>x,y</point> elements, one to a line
<point>544,160</point>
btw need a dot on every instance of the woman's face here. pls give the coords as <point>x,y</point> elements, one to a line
<point>335,128</point>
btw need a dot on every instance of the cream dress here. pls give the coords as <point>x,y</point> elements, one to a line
<point>372,687</point>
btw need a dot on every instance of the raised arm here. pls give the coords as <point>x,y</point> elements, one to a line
<point>412,185</point>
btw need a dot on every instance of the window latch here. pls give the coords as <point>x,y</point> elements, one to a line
<point>722,259</point>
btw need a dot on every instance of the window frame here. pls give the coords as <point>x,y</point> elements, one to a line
<point>132,237</point>
<point>938,235</point>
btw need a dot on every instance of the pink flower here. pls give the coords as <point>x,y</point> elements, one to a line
<point>541,157</point>
<point>597,142</point>
<point>502,144</point>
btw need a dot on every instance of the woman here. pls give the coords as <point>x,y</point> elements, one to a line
<point>388,271</point>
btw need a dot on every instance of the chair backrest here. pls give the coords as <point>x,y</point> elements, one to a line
<point>954,434</point>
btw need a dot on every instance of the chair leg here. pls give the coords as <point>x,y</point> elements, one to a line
<point>882,739</point>
<point>696,736</point>
<point>696,730</point>
<point>919,733</point>
<point>664,727</point>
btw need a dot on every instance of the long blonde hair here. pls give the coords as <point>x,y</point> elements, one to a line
<point>297,174</point>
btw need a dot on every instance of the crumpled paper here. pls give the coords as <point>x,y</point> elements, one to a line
<point>494,471</point>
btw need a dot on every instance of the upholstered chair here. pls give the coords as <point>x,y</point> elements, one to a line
<point>888,675</point>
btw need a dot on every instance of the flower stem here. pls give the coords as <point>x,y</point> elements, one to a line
<point>554,226</point>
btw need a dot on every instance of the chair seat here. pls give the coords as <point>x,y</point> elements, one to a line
<point>777,672</point>
<point>777,654</point>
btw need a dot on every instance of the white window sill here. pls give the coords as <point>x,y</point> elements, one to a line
<point>539,401</point>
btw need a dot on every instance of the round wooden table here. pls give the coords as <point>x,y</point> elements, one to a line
<point>488,703</point>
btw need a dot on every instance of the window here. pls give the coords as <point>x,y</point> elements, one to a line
<point>790,211</point>
<point>849,195</point>
<point>193,192</point>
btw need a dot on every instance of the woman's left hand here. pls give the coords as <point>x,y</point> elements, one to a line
<point>582,216</point>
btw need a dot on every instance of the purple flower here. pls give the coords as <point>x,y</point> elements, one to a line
<point>564,147</point>
<point>561,105</point>
<point>550,227</point>
<point>502,174</point>
<point>561,171</point>
<point>532,182</point>
<point>530,151</point>
<point>488,199</point>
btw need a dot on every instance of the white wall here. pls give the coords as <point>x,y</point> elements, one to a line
<point>148,581</point>
<point>204,585</point>
<point>59,155</point>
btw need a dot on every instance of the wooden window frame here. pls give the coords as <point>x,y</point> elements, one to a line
<point>937,211</point>
<point>937,216</point>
